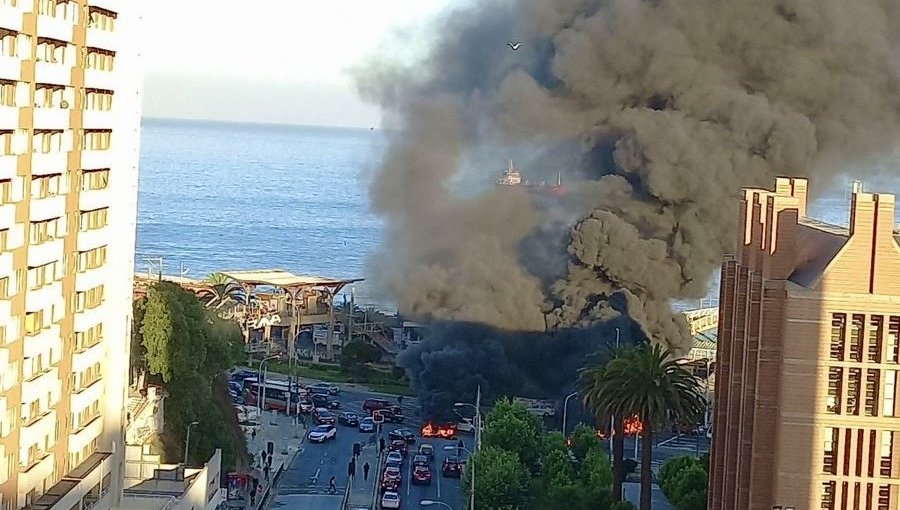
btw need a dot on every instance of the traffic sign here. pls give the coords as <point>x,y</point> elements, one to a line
<point>377,417</point>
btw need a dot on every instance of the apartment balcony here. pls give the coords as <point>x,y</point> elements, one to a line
<point>41,343</point>
<point>92,159</point>
<point>43,297</point>
<point>43,209</point>
<point>10,68</point>
<point>9,117</point>
<point>53,27</point>
<point>9,166</point>
<point>88,240</point>
<point>103,39</point>
<point>11,17</point>
<point>37,430</point>
<point>51,118</point>
<point>32,472</point>
<point>109,5</point>
<point>45,253</point>
<point>54,73</point>
<point>98,119</point>
<point>97,79</point>
<point>55,162</point>
<point>7,216</point>
<point>91,278</point>
<point>6,269</point>
<point>94,199</point>
<point>80,439</point>
<point>81,487</point>
<point>86,358</point>
<point>89,318</point>
<point>79,401</point>
<point>6,318</point>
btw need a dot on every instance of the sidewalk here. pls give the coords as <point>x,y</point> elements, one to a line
<point>287,437</point>
<point>362,493</point>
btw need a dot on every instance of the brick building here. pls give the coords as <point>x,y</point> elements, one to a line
<point>806,410</point>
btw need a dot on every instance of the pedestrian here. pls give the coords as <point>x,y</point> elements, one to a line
<point>331,487</point>
<point>266,472</point>
<point>381,444</point>
<point>253,433</point>
<point>351,468</point>
<point>366,471</point>
<point>356,449</point>
<point>459,448</point>
<point>400,400</point>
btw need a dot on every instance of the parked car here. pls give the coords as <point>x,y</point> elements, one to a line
<point>452,467</point>
<point>328,388</point>
<point>323,416</point>
<point>398,445</point>
<point>322,433</point>
<point>325,401</point>
<point>404,434</point>
<point>367,424</point>
<point>390,499</point>
<point>420,460</point>
<point>421,475</point>
<point>395,456</point>
<point>465,425</point>
<point>373,404</point>
<point>349,419</point>
<point>392,414</point>
<point>427,450</point>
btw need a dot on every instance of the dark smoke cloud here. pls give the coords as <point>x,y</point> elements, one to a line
<point>656,113</point>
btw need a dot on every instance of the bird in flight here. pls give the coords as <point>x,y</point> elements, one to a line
<point>514,46</point>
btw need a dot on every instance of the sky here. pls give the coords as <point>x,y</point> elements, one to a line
<point>286,61</point>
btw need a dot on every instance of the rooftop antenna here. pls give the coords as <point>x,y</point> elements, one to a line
<point>558,179</point>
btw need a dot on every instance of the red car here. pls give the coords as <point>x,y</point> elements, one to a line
<point>421,475</point>
<point>392,478</point>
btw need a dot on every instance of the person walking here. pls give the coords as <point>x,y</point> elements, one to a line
<point>459,448</point>
<point>381,445</point>
<point>366,471</point>
<point>351,468</point>
<point>331,487</point>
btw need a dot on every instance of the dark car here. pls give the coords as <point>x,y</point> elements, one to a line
<point>427,450</point>
<point>325,401</point>
<point>398,445</point>
<point>421,460</point>
<point>405,434</point>
<point>323,416</point>
<point>374,404</point>
<point>421,475</point>
<point>367,424</point>
<point>452,467</point>
<point>391,414</point>
<point>349,419</point>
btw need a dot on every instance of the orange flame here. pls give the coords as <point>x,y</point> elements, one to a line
<point>442,431</point>
<point>633,426</point>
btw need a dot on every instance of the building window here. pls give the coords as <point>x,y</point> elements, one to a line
<point>48,140</point>
<point>89,300</point>
<point>872,385</point>
<point>835,381</point>
<point>856,337</point>
<point>89,338</point>
<point>853,386</point>
<point>40,232</point>
<point>827,496</point>
<point>876,325</point>
<point>91,259</point>
<point>101,19</point>
<point>100,60</point>
<point>8,40</point>
<point>92,180</point>
<point>829,460</point>
<point>42,276</point>
<point>890,380</point>
<point>887,452</point>
<point>94,219</point>
<point>5,191</point>
<point>884,497</point>
<point>51,51</point>
<point>7,93</point>
<point>893,336</point>
<point>838,330</point>
<point>34,322</point>
<point>44,186</point>
<point>96,139</point>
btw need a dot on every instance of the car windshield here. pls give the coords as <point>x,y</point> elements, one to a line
<point>392,470</point>
<point>324,414</point>
<point>322,428</point>
<point>391,495</point>
<point>452,460</point>
<point>368,420</point>
<point>426,448</point>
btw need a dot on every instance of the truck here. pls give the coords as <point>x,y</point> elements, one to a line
<point>538,407</point>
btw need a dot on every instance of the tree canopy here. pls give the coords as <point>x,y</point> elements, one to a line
<point>502,481</point>
<point>511,427</point>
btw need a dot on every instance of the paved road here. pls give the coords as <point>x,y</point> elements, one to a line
<point>304,484</point>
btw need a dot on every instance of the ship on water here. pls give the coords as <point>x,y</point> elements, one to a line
<point>513,178</point>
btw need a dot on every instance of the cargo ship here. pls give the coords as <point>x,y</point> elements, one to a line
<point>513,178</point>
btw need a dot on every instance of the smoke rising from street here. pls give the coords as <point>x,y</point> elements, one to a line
<point>656,113</point>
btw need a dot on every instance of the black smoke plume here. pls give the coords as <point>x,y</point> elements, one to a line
<point>655,112</point>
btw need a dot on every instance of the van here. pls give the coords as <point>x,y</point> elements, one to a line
<point>374,404</point>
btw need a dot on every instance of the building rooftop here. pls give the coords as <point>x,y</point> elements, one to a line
<point>282,278</point>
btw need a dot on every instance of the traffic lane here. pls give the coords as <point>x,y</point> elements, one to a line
<point>447,490</point>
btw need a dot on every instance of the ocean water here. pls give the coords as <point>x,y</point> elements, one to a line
<point>217,196</point>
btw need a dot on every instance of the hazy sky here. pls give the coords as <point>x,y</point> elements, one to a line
<point>284,61</point>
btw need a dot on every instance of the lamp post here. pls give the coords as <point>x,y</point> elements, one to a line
<point>261,396</point>
<point>612,420</point>
<point>187,441</point>
<point>478,418</point>
<point>565,409</point>
<point>429,502</point>
<point>472,469</point>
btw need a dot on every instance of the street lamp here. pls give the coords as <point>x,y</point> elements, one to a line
<point>429,502</point>
<point>261,395</point>
<point>471,468</point>
<point>478,418</point>
<point>187,440</point>
<point>566,408</point>
<point>612,420</point>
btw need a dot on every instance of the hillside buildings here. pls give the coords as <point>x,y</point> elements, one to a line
<point>808,356</point>
<point>69,133</point>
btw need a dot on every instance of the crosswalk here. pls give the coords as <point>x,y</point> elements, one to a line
<point>684,443</point>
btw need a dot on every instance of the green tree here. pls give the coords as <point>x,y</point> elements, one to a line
<point>502,481</point>
<point>648,383</point>
<point>511,427</point>
<point>597,476</point>
<point>220,291</point>
<point>356,354</point>
<point>622,505</point>
<point>584,439</point>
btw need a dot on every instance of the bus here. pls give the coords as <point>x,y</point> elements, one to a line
<point>277,395</point>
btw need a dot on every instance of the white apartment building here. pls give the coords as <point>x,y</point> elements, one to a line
<point>69,134</point>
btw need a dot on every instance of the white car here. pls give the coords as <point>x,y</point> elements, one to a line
<point>465,425</point>
<point>395,457</point>
<point>322,433</point>
<point>390,500</point>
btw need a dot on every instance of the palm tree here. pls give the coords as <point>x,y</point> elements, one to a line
<point>649,383</point>
<point>221,290</point>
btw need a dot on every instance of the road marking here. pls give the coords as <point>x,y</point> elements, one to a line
<point>409,480</point>
<point>435,475</point>
<point>315,478</point>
